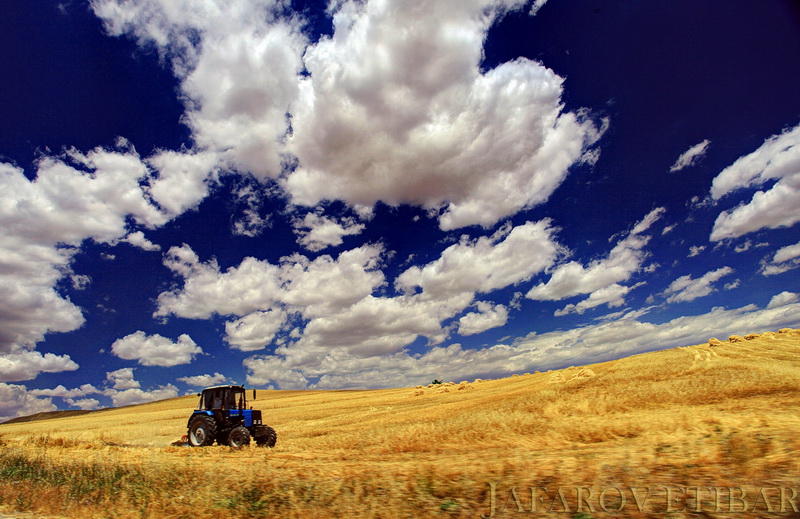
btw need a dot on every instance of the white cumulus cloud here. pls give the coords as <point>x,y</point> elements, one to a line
<point>26,365</point>
<point>487,317</point>
<point>16,400</point>
<point>237,62</point>
<point>777,159</point>
<point>254,331</point>
<point>601,278</point>
<point>155,350</point>
<point>783,299</point>
<point>122,378</point>
<point>137,239</point>
<point>317,232</point>
<point>686,288</point>
<point>396,108</point>
<point>785,259</point>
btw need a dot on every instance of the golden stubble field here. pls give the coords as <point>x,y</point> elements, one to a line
<point>636,437</point>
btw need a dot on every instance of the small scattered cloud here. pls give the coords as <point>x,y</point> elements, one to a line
<point>316,232</point>
<point>733,284</point>
<point>785,259</point>
<point>250,223</point>
<point>155,350</point>
<point>691,156</point>
<point>122,379</point>
<point>695,250</point>
<point>537,5</point>
<point>487,316</point>
<point>600,278</point>
<point>204,380</point>
<point>686,288</point>
<point>80,281</point>
<point>87,404</point>
<point>137,239</point>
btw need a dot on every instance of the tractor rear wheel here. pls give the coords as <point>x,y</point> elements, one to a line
<point>239,437</point>
<point>202,431</point>
<point>269,439</point>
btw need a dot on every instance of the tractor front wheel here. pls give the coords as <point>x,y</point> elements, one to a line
<point>202,431</point>
<point>269,439</point>
<point>239,437</point>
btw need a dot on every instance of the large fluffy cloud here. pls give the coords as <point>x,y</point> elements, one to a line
<point>238,62</point>
<point>393,107</point>
<point>778,160</point>
<point>397,109</point>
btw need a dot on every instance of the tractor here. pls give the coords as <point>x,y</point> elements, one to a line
<point>222,416</point>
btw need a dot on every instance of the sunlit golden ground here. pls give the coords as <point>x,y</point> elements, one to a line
<point>710,416</point>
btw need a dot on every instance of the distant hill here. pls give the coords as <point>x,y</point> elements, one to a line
<point>47,415</point>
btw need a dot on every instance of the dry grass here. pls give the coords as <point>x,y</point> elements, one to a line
<point>722,415</point>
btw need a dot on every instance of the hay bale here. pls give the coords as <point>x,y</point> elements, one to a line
<point>768,335</point>
<point>419,392</point>
<point>751,336</point>
<point>584,373</point>
<point>713,341</point>
<point>735,338</point>
<point>477,380</point>
<point>785,330</point>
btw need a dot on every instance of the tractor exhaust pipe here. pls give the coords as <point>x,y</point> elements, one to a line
<point>254,393</point>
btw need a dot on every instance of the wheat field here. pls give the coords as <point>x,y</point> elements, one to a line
<point>721,418</point>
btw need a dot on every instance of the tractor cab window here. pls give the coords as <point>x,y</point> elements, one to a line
<point>236,400</point>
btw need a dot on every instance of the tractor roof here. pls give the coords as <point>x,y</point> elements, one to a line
<point>224,387</point>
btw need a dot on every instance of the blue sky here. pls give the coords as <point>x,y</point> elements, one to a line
<point>379,193</point>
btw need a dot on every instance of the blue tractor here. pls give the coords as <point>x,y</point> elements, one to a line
<point>222,416</point>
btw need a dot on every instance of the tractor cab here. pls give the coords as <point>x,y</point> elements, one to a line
<point>222,416</point>
<point>222,398</point>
